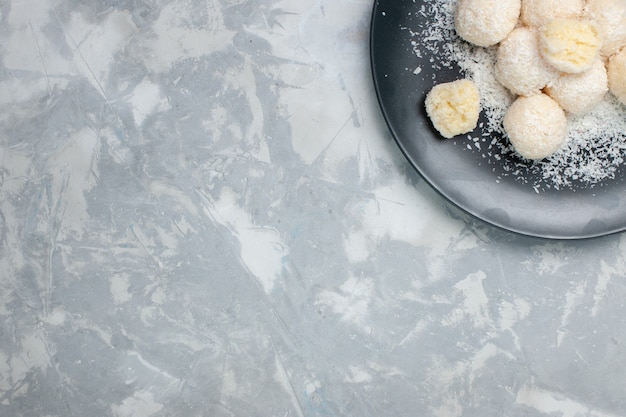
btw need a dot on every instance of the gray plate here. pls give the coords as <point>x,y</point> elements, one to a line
<point>463,177</point>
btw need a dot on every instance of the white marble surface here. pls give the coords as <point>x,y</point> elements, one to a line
<point>202,213</point>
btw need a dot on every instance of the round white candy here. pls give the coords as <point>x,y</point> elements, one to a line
<point>570,45</point>
<point>610,17</point>
<point>537,13</point>
<point>536,126</point>
<point>453,107</point>
<point>579,93</point>
<point>520,66</point>
<point>617,75</point>
<point>486,22</point>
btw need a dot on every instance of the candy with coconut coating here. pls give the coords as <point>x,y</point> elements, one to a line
<point>536,13</point>
<point>570,45</point>
<point>610,18</point>
<point>486,22</point>
<point>617,75</point>
<point>579,93</point>
<point>453,107</point>
<point>520,66</point>
<point>536,126</point>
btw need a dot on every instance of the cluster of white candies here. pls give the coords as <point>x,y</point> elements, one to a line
<point>558,57</point>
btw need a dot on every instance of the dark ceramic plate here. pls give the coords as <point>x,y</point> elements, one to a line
<point>461,176</point>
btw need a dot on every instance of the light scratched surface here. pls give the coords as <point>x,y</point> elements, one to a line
<point>202,213</point>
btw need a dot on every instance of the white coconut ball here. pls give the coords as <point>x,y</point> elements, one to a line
<point>453,107</point>
<point>486,22</point>
<point>536,126</point>
<point>537,13</point>
<point>610,17</point>
<point>579,93</point>
<point>520,66</point>
<point>570,45</point>
<point>617,75</point>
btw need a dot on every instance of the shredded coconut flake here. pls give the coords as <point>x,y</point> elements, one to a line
<point>596,143</point>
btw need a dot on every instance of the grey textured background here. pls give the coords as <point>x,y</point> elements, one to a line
<point>202,213</point>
